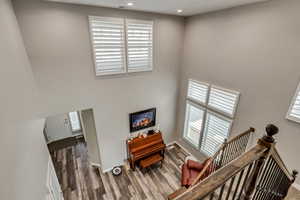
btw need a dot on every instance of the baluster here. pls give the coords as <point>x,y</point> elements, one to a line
<point>295,173</point>
<point>222,154</point>
<point>267,141</point>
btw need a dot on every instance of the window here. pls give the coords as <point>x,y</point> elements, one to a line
<point>75,121</point>
<point>216,131</point>
<point>294,110</point>
<point>223,100</point>
<point>198,91</point>
<point>209,114</point>
<point>193,126</point>
<point>139,45</point>
<point>121,45</point>
<point>108,40</point>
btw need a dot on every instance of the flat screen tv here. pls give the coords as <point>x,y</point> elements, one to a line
<point>143,119</point>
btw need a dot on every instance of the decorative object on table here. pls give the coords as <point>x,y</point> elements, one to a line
<point>134,135</point>
<point>150,132</point>
<point>116,171</point>
<point>157,129</point>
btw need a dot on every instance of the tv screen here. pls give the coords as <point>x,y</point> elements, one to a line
<point>143,119</point>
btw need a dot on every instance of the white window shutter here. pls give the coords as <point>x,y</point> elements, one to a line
<point>294,111</point>
<point>197,91</point>
<point>216,130</point>
<point>75,121</point>
<point>139,45</point>
<point>108,40</point>
<point>223,100</point>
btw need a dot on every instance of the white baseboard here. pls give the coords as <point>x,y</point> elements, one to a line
<point>297,186</point>
<point>121,163</point>
<point>171,143</point>
<point>107,170</point>
<point>176,142</point>
<point>95,164</point>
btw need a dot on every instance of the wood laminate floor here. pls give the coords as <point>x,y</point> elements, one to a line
<point>294,194</point>
<point>81,181</point>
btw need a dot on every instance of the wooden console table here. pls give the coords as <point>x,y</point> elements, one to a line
<point>148,150</point>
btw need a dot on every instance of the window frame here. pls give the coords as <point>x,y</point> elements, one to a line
<point>208,109</point>
<point>92,17</point>
<point>152,49</point>
<point>125,49</point>
<point>288,115</point>
<point>186,119</point>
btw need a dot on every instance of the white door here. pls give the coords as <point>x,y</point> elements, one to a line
<point>55,192</point>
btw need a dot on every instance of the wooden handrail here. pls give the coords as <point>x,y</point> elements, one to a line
<point>250,130</point>
<point>257,169</point>
<point>216,180</point>
<point>278,159</point>
<point>206,166</point>
<point>215,162</point>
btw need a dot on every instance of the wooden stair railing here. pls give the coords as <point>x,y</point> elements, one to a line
<point>275,179</point>
<point>258,174</point>
<point>228,151</point>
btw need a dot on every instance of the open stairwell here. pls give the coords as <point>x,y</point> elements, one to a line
<point>258,174</point>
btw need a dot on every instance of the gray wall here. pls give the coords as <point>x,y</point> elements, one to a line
<point>58,44</point>
<point>23,151</point>
<point>90,134</point>
<point>255,50</point>
<point>58,127</point>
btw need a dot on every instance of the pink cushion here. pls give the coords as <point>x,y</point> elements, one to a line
<point>185,174</point>
<point>191,170</point>
<point>194,165</point>
<point>193,175</point>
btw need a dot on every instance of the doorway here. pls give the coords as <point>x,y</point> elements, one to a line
<point>73,145</point>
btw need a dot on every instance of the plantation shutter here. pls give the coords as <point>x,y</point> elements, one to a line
<point>75,122</point>
<point>139,45</point>
<point>108,40</point>
<point>197,91</point>
<point>223,100</point>
<point>294,111</point>
<point>215,132</point>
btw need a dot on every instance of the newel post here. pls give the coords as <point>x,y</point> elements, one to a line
<point>267,141</point>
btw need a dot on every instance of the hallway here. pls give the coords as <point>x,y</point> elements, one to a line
<point>81,181</point>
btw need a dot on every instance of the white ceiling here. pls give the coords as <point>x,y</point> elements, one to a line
<point>189,7</point>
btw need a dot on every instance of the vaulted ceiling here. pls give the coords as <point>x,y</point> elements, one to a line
<point>188,7</point>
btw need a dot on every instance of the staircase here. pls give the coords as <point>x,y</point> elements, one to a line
<point>258,174</point>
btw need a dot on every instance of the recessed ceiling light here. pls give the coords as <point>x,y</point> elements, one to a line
<point>179,11</point>
<point>129,4</point>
